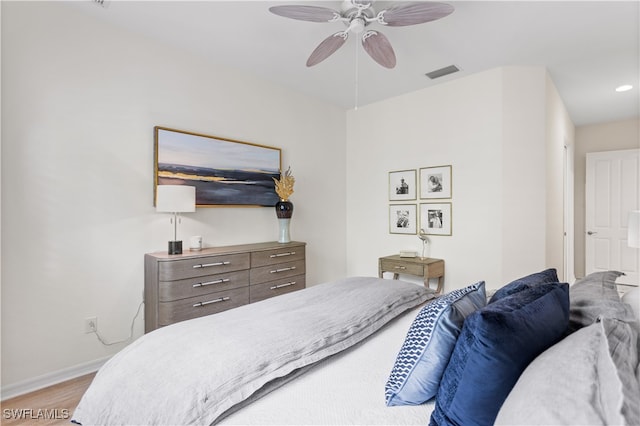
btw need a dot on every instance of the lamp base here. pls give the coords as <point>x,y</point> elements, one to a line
<point>175,247</point>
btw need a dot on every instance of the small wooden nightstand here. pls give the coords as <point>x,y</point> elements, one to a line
<point>421,267</point>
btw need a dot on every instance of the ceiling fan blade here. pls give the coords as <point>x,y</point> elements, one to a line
<point>306,13</point>
<point>414,13</point>
<point>379,48</point>
<point>327,47</point>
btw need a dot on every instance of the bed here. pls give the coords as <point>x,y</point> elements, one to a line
<point>369,351</point>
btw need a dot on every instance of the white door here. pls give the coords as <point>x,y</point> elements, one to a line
<point>612,191</point>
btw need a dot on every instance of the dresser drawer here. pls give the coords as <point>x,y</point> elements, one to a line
<point>401,268</point>
<point>182,289</point>
<point>200,266</point>
<point>276,272</point>
<point>215,279</point>
<point>193,307</point>
<point>263,291</point>
<point>281,255</point>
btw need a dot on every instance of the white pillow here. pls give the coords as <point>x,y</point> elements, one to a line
<point>632,297</point>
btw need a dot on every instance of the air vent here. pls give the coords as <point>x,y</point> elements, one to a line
<point>442,72</point>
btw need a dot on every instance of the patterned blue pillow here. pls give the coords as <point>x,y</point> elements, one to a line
<point>543,277</point>
<point>424,355</point>
<point>495,345</point>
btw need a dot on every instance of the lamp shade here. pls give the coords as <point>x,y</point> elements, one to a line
<point>175,198</point>
<point>633,239</point>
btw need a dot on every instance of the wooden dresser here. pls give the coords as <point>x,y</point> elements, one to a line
<point>197,283</point>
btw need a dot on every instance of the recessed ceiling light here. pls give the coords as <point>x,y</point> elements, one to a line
<point>624,88</point>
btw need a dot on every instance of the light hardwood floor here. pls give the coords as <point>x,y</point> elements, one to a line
<point>49,406</point>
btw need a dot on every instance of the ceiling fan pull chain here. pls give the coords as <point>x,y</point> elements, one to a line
<point>356,76</point>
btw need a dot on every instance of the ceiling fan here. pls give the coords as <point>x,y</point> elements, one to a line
<point>357,15</point>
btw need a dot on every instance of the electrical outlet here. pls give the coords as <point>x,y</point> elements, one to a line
<point>91,325</point>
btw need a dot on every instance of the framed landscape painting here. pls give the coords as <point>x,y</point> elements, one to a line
<point>225,172</point>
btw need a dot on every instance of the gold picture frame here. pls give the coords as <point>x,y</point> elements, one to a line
<point>435,182</point>
<point>225,172</point>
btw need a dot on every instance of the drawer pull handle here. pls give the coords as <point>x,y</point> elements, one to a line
<point>276,287</point>
<point>226,280</point>
<point>291,253</point>
<point>206,265</point>
<point>282,270</point>
<point>401,267</point>
<point>221,299</point>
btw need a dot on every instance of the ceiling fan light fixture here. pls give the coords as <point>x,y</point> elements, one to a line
<point>357,25</point>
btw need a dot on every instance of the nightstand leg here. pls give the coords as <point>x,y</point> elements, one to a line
<point>440,283</point>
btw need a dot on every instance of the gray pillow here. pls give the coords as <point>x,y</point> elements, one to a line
<point>632,298</point>
<point>587,378</point>
<point>596,296</point>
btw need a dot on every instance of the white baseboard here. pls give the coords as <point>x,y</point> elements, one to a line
<point>50,379</point>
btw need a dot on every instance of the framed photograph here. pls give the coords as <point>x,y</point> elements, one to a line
<point>225,172</point>
<point>402,185</point>
<point>435,182</point>
<point>435,218</point>
<point>403,219</point>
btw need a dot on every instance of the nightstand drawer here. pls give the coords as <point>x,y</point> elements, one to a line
<point>276,272</point>
<point>424,267</point>
<point>182,289</point>
<point>402,267</point>
<point>193,307</point>
<point>200,266</point>
<point>271,257</point>
<point>263,291</point>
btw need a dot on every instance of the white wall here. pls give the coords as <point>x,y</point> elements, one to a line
<point>559,132</point>
<point>80,99</point>
<point>491,128</point>
<point>523,168</point>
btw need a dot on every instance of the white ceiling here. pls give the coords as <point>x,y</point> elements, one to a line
<point>588,47</point>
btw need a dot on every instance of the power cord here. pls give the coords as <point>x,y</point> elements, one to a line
<point>105,343</point>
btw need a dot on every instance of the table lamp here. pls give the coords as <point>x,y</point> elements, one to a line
<point>175,199</point>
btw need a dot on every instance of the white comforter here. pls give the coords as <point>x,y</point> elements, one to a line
<point>345,389</point>
<point>194,371</point>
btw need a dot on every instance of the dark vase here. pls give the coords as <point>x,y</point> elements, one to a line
<point>284,209</point>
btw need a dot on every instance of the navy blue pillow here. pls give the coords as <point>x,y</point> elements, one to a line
<point>495,345</point>
<point>547,276</point>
